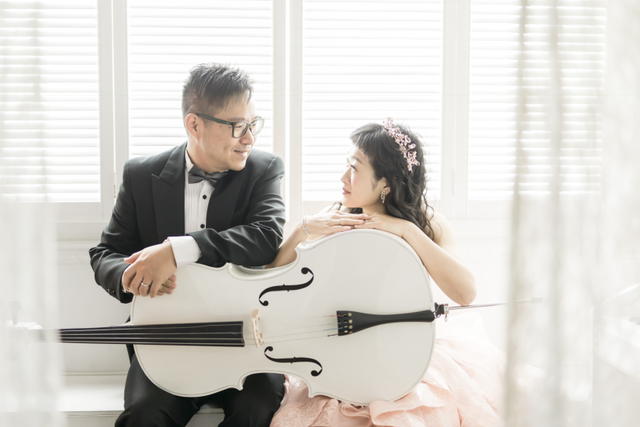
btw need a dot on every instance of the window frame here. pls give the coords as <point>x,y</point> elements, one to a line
<point>287,116</point>
<point>88,213</point>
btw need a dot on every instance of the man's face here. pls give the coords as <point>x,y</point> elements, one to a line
<point>216,149</point>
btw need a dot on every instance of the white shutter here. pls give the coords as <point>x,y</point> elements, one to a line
<point>167,38</point>
<point>49,146</point>
<point>493,96</point>
<point>364,61</point>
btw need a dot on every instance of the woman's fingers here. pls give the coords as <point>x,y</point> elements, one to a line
<point>360,215</point>
<point>367,225</point>
<point>325,224</point>
<point>350,221</point>
<point>351,216</point>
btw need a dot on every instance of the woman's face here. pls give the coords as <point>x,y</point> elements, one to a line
<point>360,188</point>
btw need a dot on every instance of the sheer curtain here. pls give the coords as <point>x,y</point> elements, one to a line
<point>30,365</point>
<point>573,356</point>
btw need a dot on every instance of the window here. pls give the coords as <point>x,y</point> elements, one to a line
<point>364,61</point>
<point>494,50</point>
<point>167,38</point>
<point>87,85</point>
<point>49,133</point>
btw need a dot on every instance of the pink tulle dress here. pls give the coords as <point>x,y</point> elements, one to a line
<point>462,387</point>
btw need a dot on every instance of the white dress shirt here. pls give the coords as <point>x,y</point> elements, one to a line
<point>196,202</point>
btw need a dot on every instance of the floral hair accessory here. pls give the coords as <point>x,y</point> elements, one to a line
<point>404,142</point>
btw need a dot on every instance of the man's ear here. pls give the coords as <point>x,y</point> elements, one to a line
<point>191,124</point>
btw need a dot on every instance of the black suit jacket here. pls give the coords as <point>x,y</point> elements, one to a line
<point>244,219</point>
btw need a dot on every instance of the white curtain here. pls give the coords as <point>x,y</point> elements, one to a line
<point>30,363</point>
<point>573,358</point>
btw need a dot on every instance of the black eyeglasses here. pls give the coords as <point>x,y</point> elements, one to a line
<point>238,129</point>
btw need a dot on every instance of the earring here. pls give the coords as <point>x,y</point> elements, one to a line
<point>383,195</point>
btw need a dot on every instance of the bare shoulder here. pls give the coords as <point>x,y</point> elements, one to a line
<point>442,230</point>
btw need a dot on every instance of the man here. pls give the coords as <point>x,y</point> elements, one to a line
<point>212,200</point>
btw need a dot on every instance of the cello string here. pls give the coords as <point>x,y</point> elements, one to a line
<point>151,329</point>
<point>329,332</point>
<point>148,331</point>
<point>279,338</point>
<point>159,327</point>
<point>327,329</point>
<point>160,334</point>
<point>315,320</point>
<point>184,329</point>
<point>192,335</point>
<point>202,338</point>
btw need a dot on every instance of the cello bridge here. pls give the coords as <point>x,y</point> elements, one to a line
<point>255,325</point>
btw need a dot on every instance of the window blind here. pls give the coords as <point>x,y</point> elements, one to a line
<point>364,61</point>
<point>494,49</point>
<point>49,101</point>
<point>168,38</point>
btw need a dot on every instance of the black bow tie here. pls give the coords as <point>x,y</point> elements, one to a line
<point>196,175</point>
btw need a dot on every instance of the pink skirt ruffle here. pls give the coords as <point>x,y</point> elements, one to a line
<point>462,387</point>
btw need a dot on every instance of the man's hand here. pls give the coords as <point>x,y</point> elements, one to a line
<point>168,286</point>
<point>151,271</point>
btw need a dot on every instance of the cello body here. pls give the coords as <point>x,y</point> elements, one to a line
<point>289,321</point>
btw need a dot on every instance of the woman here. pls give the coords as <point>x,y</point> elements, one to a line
<point>385,184</point>
<point>384,189</point>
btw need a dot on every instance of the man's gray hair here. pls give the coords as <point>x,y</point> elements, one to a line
<point>211,86</point>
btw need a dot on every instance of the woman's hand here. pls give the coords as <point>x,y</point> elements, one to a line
<point>388,223</point>
<point>326,223</point>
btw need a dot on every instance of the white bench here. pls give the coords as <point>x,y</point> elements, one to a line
<point>97,400</point>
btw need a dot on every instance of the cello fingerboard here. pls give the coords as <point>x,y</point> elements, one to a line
<point>221,334</point>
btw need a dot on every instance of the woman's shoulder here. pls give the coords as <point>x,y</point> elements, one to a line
<point>442,230</point>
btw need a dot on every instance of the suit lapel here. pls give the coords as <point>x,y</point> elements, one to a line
<point>224,200</point>
<point>168,195</point>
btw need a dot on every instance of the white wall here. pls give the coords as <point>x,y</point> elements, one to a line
<point>83,303</point>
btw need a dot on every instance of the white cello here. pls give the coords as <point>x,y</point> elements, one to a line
<point>352,316</point>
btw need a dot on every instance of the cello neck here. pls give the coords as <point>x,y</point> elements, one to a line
<point>219,334</point>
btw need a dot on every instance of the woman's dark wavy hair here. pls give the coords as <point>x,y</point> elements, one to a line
<point>407,198</point>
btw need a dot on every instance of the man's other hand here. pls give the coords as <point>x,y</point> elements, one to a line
<point>151,271</point>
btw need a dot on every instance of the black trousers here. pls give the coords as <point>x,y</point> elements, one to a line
<point>146,405</point>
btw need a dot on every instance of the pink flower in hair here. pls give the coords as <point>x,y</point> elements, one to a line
<point>404,142</point>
